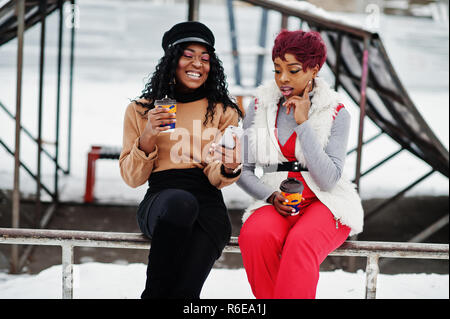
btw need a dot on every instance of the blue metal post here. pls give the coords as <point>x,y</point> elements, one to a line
<point>72,46</point>
<point>262,44</point>
<point>233,34</point>
<point>58,94</point>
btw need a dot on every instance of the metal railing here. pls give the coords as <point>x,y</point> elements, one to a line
<point>16,17</point>
<point>69,239</point>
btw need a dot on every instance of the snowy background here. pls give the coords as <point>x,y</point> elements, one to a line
<point>117,47</point>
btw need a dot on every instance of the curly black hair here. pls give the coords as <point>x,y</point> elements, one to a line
<point>161,82</point>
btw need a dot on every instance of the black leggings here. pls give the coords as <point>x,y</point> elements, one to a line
<point>182,254</point>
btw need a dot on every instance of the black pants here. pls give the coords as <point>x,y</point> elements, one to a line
<point>182,254</point>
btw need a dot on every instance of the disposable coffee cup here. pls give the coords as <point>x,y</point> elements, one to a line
<point>292,190</point>
<point>171,105</point>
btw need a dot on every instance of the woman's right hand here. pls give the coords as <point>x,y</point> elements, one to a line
<point>278,200</point>
<point>156,117</point>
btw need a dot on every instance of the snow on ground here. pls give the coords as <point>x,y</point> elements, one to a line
<point>112,281</point>
<point>108,74</point>
<point>116,50</point>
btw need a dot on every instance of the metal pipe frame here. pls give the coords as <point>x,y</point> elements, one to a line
<point>69,239</point>
<point>381,162</point>
<point>193,10</point>
<point>20,11</point>
<point>424,234</point>
<point>380,91</point>
<point>32,17</point>
<point>430,230</point>
<point>284,21</point>
<point>42,9</point>
<point>373,138</point>
<point>36,140</point>
<point>387,97</point>
<point>25,167</point>
<point>48,213</point>
<point>314,19</point>
<point>384,94</point>
<point>424,126</point>
<point>58,96</point>
<point>234,45</point>
<point>362,107</point>
<point>385,203</point>
<point>262,44</point>
<point>72,57</point>
<point>337,65</point>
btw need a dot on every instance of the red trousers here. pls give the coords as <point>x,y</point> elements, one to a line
<point>282,255</point>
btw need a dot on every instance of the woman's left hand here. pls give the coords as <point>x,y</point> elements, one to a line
<point>301,105</point>
<point>230,158</point>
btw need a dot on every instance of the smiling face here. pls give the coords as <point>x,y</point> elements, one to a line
<point>290,76</point>
<point>193,67</point>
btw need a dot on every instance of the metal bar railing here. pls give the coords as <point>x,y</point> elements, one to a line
<point>371,213</point>
<point>35,140</point>
<point>15,212</point>
<point>316,20</point>
<point>68,239</point>
<point>28,170</point>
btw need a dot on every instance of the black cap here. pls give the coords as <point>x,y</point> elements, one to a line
<point>191,31</point>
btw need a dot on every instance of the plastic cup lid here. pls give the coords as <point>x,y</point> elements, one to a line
<point>165,101</point>
<point>291,185</point>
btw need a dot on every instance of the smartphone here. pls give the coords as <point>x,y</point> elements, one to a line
<point>227,139</point>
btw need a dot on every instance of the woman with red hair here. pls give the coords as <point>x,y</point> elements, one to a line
<point>296,127</point>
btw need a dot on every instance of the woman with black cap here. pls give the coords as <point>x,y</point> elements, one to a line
<point>183,211</point>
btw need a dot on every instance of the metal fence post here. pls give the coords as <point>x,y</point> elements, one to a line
<point>58,95</point>
<point>193,10</point>
<point>67,271</point>
<point>362,106</point>
<point>74,12</point>
<point>234,43</point>
<point>372,271</point>
<point>262,44</point>
<point>20,12</point>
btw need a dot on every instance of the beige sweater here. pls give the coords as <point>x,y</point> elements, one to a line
<point>186,147</point>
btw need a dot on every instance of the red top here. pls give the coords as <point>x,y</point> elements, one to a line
<point>288,150</point>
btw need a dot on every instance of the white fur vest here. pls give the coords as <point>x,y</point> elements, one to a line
<point>343,200</point>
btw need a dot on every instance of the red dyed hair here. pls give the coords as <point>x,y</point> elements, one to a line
<point>307,47</point>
